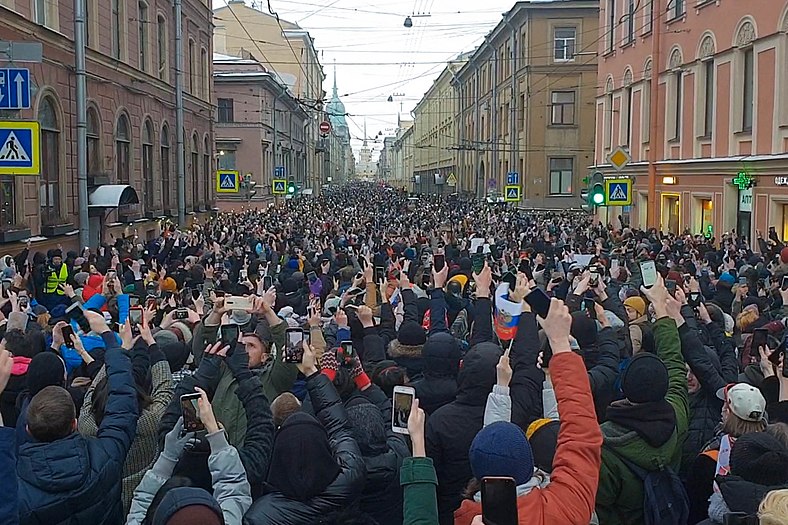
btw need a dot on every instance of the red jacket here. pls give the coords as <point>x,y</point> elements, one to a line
<point>569,498</point>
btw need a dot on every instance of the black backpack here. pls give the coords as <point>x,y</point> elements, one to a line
<point>665,500</point>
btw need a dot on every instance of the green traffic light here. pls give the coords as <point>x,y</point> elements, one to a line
<point>291,189</point>
<point>598,198</point>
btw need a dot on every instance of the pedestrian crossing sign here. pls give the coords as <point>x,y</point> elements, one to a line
<point>19,148</point>
<point>618,192</point>
<point>512,194</point>
<point>279,187</point>
<point>227,181</point>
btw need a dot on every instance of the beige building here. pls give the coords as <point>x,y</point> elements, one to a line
<point>435,132</point>
<point>401,152</point>
<point>522,108</point>
<point>286,50</point>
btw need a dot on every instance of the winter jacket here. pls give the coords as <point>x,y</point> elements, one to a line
<point>604,372</point>
<point>77,479</point>
<point>451,428</point>
<point>230,486</point>
<point>418,480</point>
<point>736,495</point>
<point>620,494</point>
<point>527,379</point>
<point>274,508</point>
<point>143,449</point>
<point>9,486</point>
<point>438,385</point>
<point>17,384</point>
<point>569,497</point>
<point>641,335</point>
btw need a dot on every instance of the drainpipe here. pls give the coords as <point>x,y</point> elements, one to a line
<point>654,139</point>
<point>82,122</point>
<point>475,149</point>
<point>513,139</point>
<point>179,113</point>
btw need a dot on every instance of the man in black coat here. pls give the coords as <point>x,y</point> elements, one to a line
<point>67,478</point>
<point>438,385</point>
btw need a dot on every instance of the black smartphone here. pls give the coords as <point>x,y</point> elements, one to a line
<point>760,337</point>
<point>693,299</point>
<point>539,302</point>
<point>134,300</point>
<point>477,263</point>
<point>380,273</point>
<point>294,349</point>
<point>135,319</point>
<point>229,333</point>
<point>499,501</point>
<point>510,279</point>
<point>268,282</point>
<point>196,292</point>
<point>191,413</point>
<point>312,276</point>
<point>75,313</point>
<point>671,286</point>
<point>438,262</point>
<point>180,314</point>
<point>345,353</point>
<point>67,332</point>
<point>590,306</point>
<point>594,273</point>
<point>743,280</point>
<point>784,284</point>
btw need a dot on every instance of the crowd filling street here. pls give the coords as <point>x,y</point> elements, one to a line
<point>369,357</point>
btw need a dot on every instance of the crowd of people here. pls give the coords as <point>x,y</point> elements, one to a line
<point>247,370</point>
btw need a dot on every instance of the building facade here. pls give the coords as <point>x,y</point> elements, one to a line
<point>401,172</point>
<point>338,161</point>
<point>701,111</point>
<point>366,167</point>
<point>435,143</point>
<point>521,104</point>
<point>384,160</point>
<point>254,111</point>
<point>131,132</point>
<point>288,52</point>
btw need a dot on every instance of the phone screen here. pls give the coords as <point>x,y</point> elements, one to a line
<point>196,293</point>
<point>191,413</point>
<point>402,402</point>
<point>590,306</point>
<point>539,302</point>
<point>294,350</point>
<point>229,333</point>
<point>268,282</point>
<point>135,316</point>
<point>648,269</point>
<point>67,332</point>
<point>671,286</point>
<point>346,352</point>
<point>134,300</point>
<point>760,337</point>
<point>380,273</point>
<point>499,501</point>
<point>510,279</point>
<point>438,262</point>
<point>312,276</point>
<point>75,313</point>
<point>477,262</point>
<point>784,285</point>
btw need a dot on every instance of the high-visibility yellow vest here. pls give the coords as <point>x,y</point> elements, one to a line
<point>53,279</point>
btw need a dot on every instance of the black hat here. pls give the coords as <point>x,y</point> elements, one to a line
<point>645,379</point>
<point>411,333</point>
<point>760,458</point>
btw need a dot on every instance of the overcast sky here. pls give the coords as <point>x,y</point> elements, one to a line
<point>377,57</point>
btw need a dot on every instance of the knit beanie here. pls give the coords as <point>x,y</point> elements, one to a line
<point>637,304</point>
<point>760,458</point>
<point>368,426</point>
<point>46,369</point>
<point>169,285</point>
<point>543,436</point>
<point>411,334</point>
<point>501,449</point>
<point>187,505</point>
<point>645,379</point>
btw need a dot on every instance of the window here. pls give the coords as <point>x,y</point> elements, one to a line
<point>563,108</point>
<point>161,38</point>
<point>205,74</point>
<point>88,21</point>
<point>678,94</point>
<point>165,167</point>
<point>561,176</point>
<point>747,92</point>
<point>7,200</point>
<point>49,193</point>
<point>227,159</point>
<point>708,103</point>
<point>192,67</point>
<point>611,24</point>
<point>195,172</point>
<point>630,22</point>
<point>95,166</point>
<point>608,120</point>
<point>649,24</point>
<point>521,113</point>
<point>122,150</point>
<point>225,108</point>
<point>117,29</point>
<point>206,170</point>
<point>147,165</point>
<point>564,38</point>
<point>142,28</point>
<point>627,117</point>
<point>676,8</point>
<point>41,12</point>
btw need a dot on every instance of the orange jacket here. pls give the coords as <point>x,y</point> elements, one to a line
<point>569,498</point>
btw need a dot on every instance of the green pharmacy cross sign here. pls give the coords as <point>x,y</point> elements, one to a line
<point>743,180</point>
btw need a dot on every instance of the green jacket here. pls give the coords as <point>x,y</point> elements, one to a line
<point>419,481</point>
<point>619,498</point>
<point>275,375</point>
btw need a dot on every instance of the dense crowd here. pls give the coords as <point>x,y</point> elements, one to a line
<point>366,357</point>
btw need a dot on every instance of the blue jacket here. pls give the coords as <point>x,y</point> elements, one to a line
<point>9,515</point>
<point>77,479</point>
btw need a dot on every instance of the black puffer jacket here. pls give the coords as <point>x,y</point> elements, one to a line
<point>451,429</point>
<point>740,495</point>
<point>438,385</point>
<point>275,509</point>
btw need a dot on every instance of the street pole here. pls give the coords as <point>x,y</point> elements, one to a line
<point>654,138</point>
<point>179,113</point>
<point>82,122</point>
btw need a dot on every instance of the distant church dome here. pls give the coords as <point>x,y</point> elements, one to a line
<point>336,112</point>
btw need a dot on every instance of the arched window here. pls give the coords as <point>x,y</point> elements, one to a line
<point>195,171</point>
<point>95,165</point>
<point>147,165</point>
<point>49,191</point>
<point>122,150</point>
<point>206,171</point>
<point>165,167</point>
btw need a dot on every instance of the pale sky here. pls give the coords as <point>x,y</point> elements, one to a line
<point>377,57</point>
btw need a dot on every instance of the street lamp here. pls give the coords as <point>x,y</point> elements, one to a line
<point>409,19</point>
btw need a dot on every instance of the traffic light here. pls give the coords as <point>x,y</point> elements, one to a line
<point>291,187</point>
<point>596,189</point>
<point>250,185</point>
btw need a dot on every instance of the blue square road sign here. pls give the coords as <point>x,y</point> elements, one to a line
<point>14,88</point>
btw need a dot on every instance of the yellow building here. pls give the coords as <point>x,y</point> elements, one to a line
<point>526,104</point>
<point>289,52</point>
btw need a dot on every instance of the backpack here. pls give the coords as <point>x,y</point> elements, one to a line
<point>665,500</point>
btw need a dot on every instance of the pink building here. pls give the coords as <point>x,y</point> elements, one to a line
<point>131,113</point>
<point>721,71</point>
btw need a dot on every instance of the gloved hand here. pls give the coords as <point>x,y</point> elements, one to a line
<point>359,376</point>
<point>329,364</point>
<point>238,362</point>
<point>174,442</point>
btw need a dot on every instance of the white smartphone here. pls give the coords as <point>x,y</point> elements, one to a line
<point>237,302</point>
<point>402,403</point>
<point>649,271</point>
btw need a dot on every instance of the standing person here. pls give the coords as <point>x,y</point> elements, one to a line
<point>64,477</point>
<point>56,275</point>
<point>9,514</point>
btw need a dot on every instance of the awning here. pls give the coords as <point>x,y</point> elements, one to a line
<point>112,196</point>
